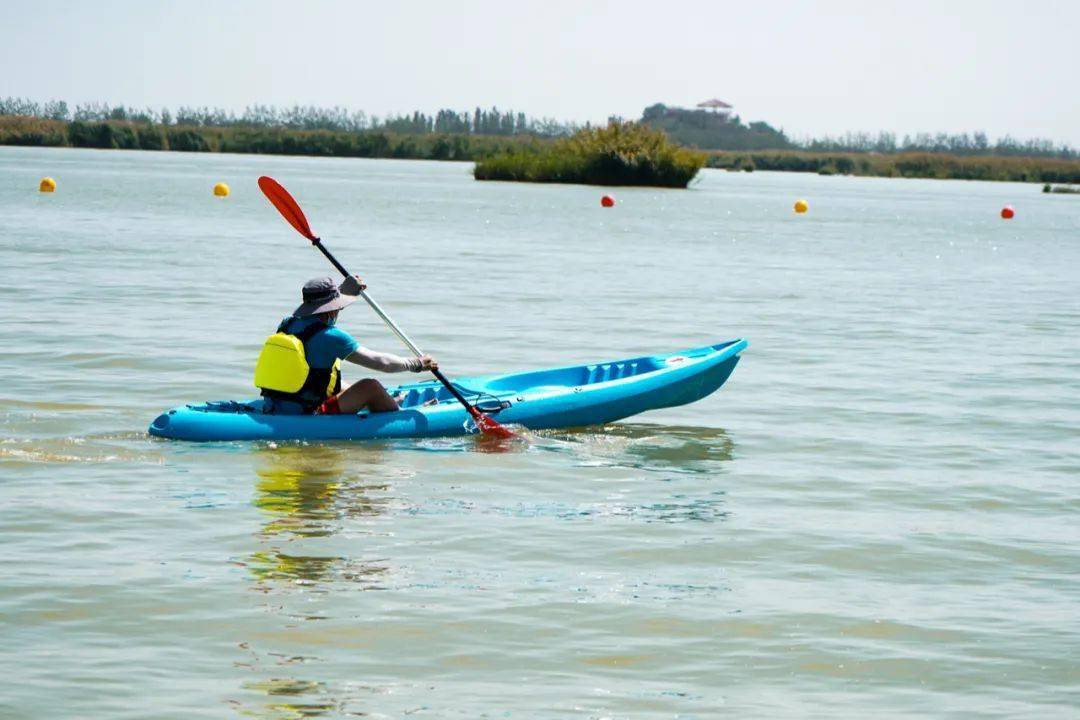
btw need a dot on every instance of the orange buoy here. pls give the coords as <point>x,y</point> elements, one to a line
<point>47,185</point>
<point>1007,212</point>
<point>607,201</point>
<point>801,206</point>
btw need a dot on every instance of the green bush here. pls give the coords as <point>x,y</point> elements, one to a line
<point>91,135</point>
<point>187,140</point>
<point>151,138</point>
<point>21,130</point>
<point>124,137</point>
<point>622,153</point>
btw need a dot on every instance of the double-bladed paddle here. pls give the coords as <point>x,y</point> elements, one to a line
<point>290,210</point>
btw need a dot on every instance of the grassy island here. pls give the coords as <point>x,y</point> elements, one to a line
<point>623,153</point>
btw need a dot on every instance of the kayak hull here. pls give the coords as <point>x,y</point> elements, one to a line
<point>572,396</point>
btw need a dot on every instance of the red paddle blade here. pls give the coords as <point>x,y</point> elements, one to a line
<point>285,205</point>
<point>488,426</point>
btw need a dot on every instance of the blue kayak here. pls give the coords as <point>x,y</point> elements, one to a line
<point>562,397</point>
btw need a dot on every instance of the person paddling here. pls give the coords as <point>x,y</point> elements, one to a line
<point>299,368</point>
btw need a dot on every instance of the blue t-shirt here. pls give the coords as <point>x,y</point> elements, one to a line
<point>327,346</point>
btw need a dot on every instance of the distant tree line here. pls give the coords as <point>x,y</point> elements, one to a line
<point>691,127</point>
<point>480,134</point>
<point>720,131</point>
<point>133,135</point>
<point>940,165</point>
<point>298,117</point>
<point>966,144</point>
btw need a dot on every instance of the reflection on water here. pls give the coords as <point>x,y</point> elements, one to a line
<point>297,487</point>
<point>282,707</point>
<point>660,448</point>
<point>307,493</point>
<point>308,490</point>
<point>314,496</point>
<point>668,453</point>
<point>657,448</point>
<point>74,449</point>
<point>311,570</point>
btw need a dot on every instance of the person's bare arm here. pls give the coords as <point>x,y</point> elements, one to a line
<point>390,363</point>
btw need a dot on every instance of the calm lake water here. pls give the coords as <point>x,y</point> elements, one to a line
<point>876,516</point>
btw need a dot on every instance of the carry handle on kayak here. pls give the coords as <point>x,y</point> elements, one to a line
<point>290,210</point>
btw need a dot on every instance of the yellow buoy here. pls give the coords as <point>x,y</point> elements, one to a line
<point>47,185</point>
<point>221,190</point>
<point>801,206</point>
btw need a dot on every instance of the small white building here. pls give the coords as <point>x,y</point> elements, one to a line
<point>716,105</point>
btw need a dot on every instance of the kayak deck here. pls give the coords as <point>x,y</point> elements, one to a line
<point>569,396</point>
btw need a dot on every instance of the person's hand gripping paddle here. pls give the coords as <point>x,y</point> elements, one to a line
<point>291,211</point>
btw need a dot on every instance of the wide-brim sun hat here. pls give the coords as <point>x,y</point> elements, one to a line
<point>322,295</point>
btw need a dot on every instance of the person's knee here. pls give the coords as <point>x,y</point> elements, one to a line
<point>368,384</point>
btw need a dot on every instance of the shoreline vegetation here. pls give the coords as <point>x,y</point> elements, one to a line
<point>1061,189</point>
<point>512,146</point>
<point>938,166</point>
<point>623,153</point>
<point>127,135</point>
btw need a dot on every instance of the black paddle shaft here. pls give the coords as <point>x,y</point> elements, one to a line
<point>317,242</point>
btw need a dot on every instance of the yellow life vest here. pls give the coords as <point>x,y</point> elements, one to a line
<point>282,369</point>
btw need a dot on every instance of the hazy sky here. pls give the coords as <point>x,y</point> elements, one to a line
<point>811,68</point>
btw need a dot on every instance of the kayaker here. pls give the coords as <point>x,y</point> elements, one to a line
<point>298,370</point>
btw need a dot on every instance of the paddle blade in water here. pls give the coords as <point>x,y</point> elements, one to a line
<point>489,426</point>
<point>285,205</point>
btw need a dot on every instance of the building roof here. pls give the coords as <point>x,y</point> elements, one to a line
<point>715,103</point>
